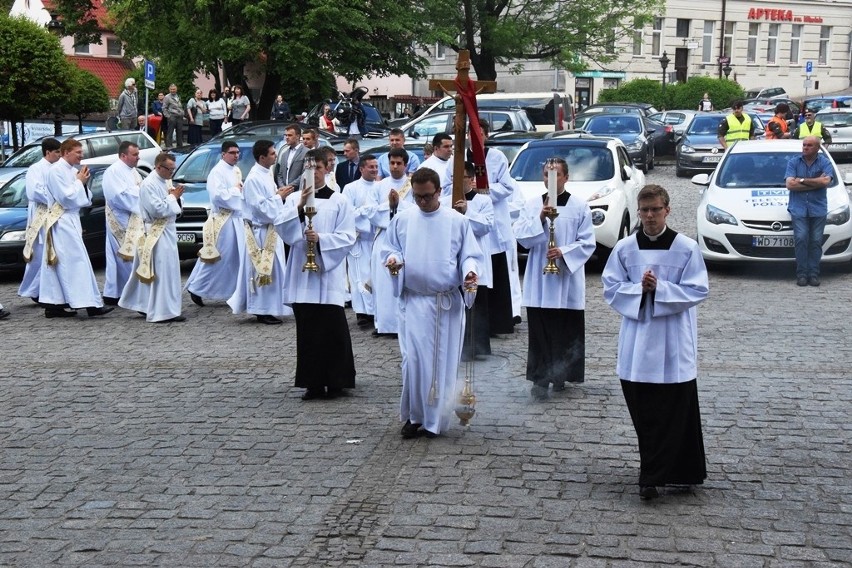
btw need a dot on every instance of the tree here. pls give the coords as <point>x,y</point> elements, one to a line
<point>570,34</point>
<point>87,94</point>
<point>34,74</point>
<point>297,48</point>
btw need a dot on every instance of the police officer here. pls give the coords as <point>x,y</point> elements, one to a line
<point>736,126</point>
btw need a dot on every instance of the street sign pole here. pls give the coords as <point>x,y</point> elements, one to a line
<point>150,76</point>
<point>809,68</point>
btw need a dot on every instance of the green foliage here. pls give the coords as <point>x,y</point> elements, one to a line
<point>677,95</point>
<point>87,94</point>
<point>568,34</point>
<point>79,20</point>
<point>34,74</point>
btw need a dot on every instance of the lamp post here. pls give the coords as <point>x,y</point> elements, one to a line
<point>726,70</point>
<point>664,63</point>
<point>57,28</point>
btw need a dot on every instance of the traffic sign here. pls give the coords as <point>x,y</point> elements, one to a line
<point>150,74</point>
<point>724,60</point>
<point>809,67</point>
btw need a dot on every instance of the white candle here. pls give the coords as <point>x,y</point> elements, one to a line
<point>309,182</point>
<point>551,186</point>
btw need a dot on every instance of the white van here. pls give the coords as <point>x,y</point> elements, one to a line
<point>539,107</point>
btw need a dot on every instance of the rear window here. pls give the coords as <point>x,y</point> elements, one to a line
<point>584,163</point>
<point>704,125</point>
<point>757,169</point>
<point>611,125</point>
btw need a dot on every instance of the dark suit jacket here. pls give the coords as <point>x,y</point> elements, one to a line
<point>284,177</point>
<point>341,174</point>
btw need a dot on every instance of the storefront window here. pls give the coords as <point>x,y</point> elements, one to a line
<point>751,50</point>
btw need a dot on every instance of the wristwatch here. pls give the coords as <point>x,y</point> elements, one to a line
<point>801,180</point>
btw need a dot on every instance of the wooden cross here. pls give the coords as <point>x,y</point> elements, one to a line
<point>460,122</point>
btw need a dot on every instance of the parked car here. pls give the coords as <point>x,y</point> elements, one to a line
<point>13,219</point>
<point>500,120</point>
<point>838,121</point>
<point>99,148</point>
<point>699,148</point>
<point>765,108</point>
<point>640,135</point>
<point>376,125</point>
<point>645,109</point>
<point>766,93</point>
<point>816,104</point>
<point>600,171</point>
<point>677,119</point>
<point>510,143</point>
<point>742,214</point>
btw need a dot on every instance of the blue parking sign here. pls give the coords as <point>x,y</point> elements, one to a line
<point>150,74</point>
<point>809,67</point>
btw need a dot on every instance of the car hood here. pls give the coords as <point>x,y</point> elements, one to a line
<point>8,173</point>
<point>709,140</point>
<point>13,218</point>
<point>764,203</point>
<point>195,195</point>
<point>582,189</point>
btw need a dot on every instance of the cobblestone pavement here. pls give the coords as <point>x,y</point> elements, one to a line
<point>124,443</point>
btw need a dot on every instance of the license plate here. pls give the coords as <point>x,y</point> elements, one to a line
<point>712,159</point>
<point>771,241</point>
<point>186,237</point>
<point>837,146</point>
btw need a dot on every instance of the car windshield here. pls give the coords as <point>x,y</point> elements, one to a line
<point>613,125</point>
<point>757,169</point>
<point>836,119</point>
<point>197,166</point>
<point>25,157</point>
<point>14,193</point>
<point>704,125</point>
<point>585,163</point>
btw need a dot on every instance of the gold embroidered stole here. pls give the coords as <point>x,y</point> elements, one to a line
<point>212,227</point>
<point>128,238</point>
<point>403,191</point>
<point>145,250</point>
<point>56,211</point>
<point>261,258</point>
<point>33,230</point>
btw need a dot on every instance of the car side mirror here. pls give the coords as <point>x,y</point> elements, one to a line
<point>701,179</point>
<point>651,130</point>
<point>626,172</point>
<point>413,134</point>
<point>847,178</point>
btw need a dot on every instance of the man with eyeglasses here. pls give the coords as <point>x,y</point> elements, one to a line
<point>655,279</point>
<point>214,276</point>
<point>556,303</point>
<point>154,289</point>
<point>812,127</point>
<point>433,252</point>
<point>37,203</point>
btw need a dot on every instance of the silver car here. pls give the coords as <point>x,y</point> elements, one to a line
<point>838,122</point>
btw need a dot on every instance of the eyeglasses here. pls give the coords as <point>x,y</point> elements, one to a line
<point>424,196</point>
<point>653,210</point>
<point>233,152</point>
<point>168,169</point>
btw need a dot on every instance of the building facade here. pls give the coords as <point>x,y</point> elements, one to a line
<point>758,43</point>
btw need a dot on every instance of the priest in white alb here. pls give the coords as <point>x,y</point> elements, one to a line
<point>655,279</point>
<point>154,288</point>
<point>555,302</point>
<point>214,276</point>
<point>360,194</point>
<point>433,252</point>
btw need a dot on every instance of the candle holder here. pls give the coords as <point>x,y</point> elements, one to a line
<point>466,407</point>
<point>550,267</point>
<point>311,263</point>
<point>394,270</point>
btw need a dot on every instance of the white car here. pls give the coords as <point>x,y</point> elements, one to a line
<point>742,214</point>
<point>599,172</point>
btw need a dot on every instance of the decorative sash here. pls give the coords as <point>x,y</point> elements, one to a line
<point>403,191</point>
<point>33,230</point>
<point>261,258</point>
<point>145,250</point>
<point>56,211</point>
<point>212,227</point>
<point>127,238</point>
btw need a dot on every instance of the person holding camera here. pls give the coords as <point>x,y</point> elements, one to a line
<point>357,120</point>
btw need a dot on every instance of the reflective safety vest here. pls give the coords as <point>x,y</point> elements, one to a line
<point>737,130</point>
<point>782,124</point>
<point>805,130</point>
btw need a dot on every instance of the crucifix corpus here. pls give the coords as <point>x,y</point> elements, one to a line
<point>465,97</point>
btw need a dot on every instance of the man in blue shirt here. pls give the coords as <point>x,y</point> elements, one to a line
<point>808,176</point>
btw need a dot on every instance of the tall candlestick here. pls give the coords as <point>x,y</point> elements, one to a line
<point>551,182</point>
<point>310,168</point>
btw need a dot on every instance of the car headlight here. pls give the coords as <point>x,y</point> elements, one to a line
<point>602,192</point>
<point>635,145</point>
<point>838,216</point>
<point>598,217</point>
<point>719,217</point>
<point>13,236</point>
<point>687,149</point>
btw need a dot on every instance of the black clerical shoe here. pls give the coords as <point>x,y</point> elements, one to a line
<point>648,492</point>
<point>94,312</point>
<point>516,320</point>
<point>110,301</point>
<point>174,319</point>
<point>410,430</point>
<point>4,313</point>
<point>59,313</point>
<point>269,320</point>
<point>196,299</point>
<point>429,434</point>
<point>313,394</point>
<point>539,392</point>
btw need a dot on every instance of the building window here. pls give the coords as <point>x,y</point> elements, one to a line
<point>440,51</point>
<point>728,46</point>
<point>637,37</point>
<point>751,50</point>
<point>81,48</point>
<point>772,43</point>
<point>113,47</point>
<point>657,37</point>
<point>682,29</point>
<point>795,43</point>
<point>707,44</point>
<point>824,34</point>
<point>610,40</point>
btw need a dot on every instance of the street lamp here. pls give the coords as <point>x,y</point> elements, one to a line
<point>664,62</point>
<point>57,28</point>
<point>726,70</point>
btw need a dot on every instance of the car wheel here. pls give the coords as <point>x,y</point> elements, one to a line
<point>624,231</point>
<point>680,172</point>
<point>644,166</point>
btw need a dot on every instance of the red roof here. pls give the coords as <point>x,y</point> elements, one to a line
<point>112,71</point>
